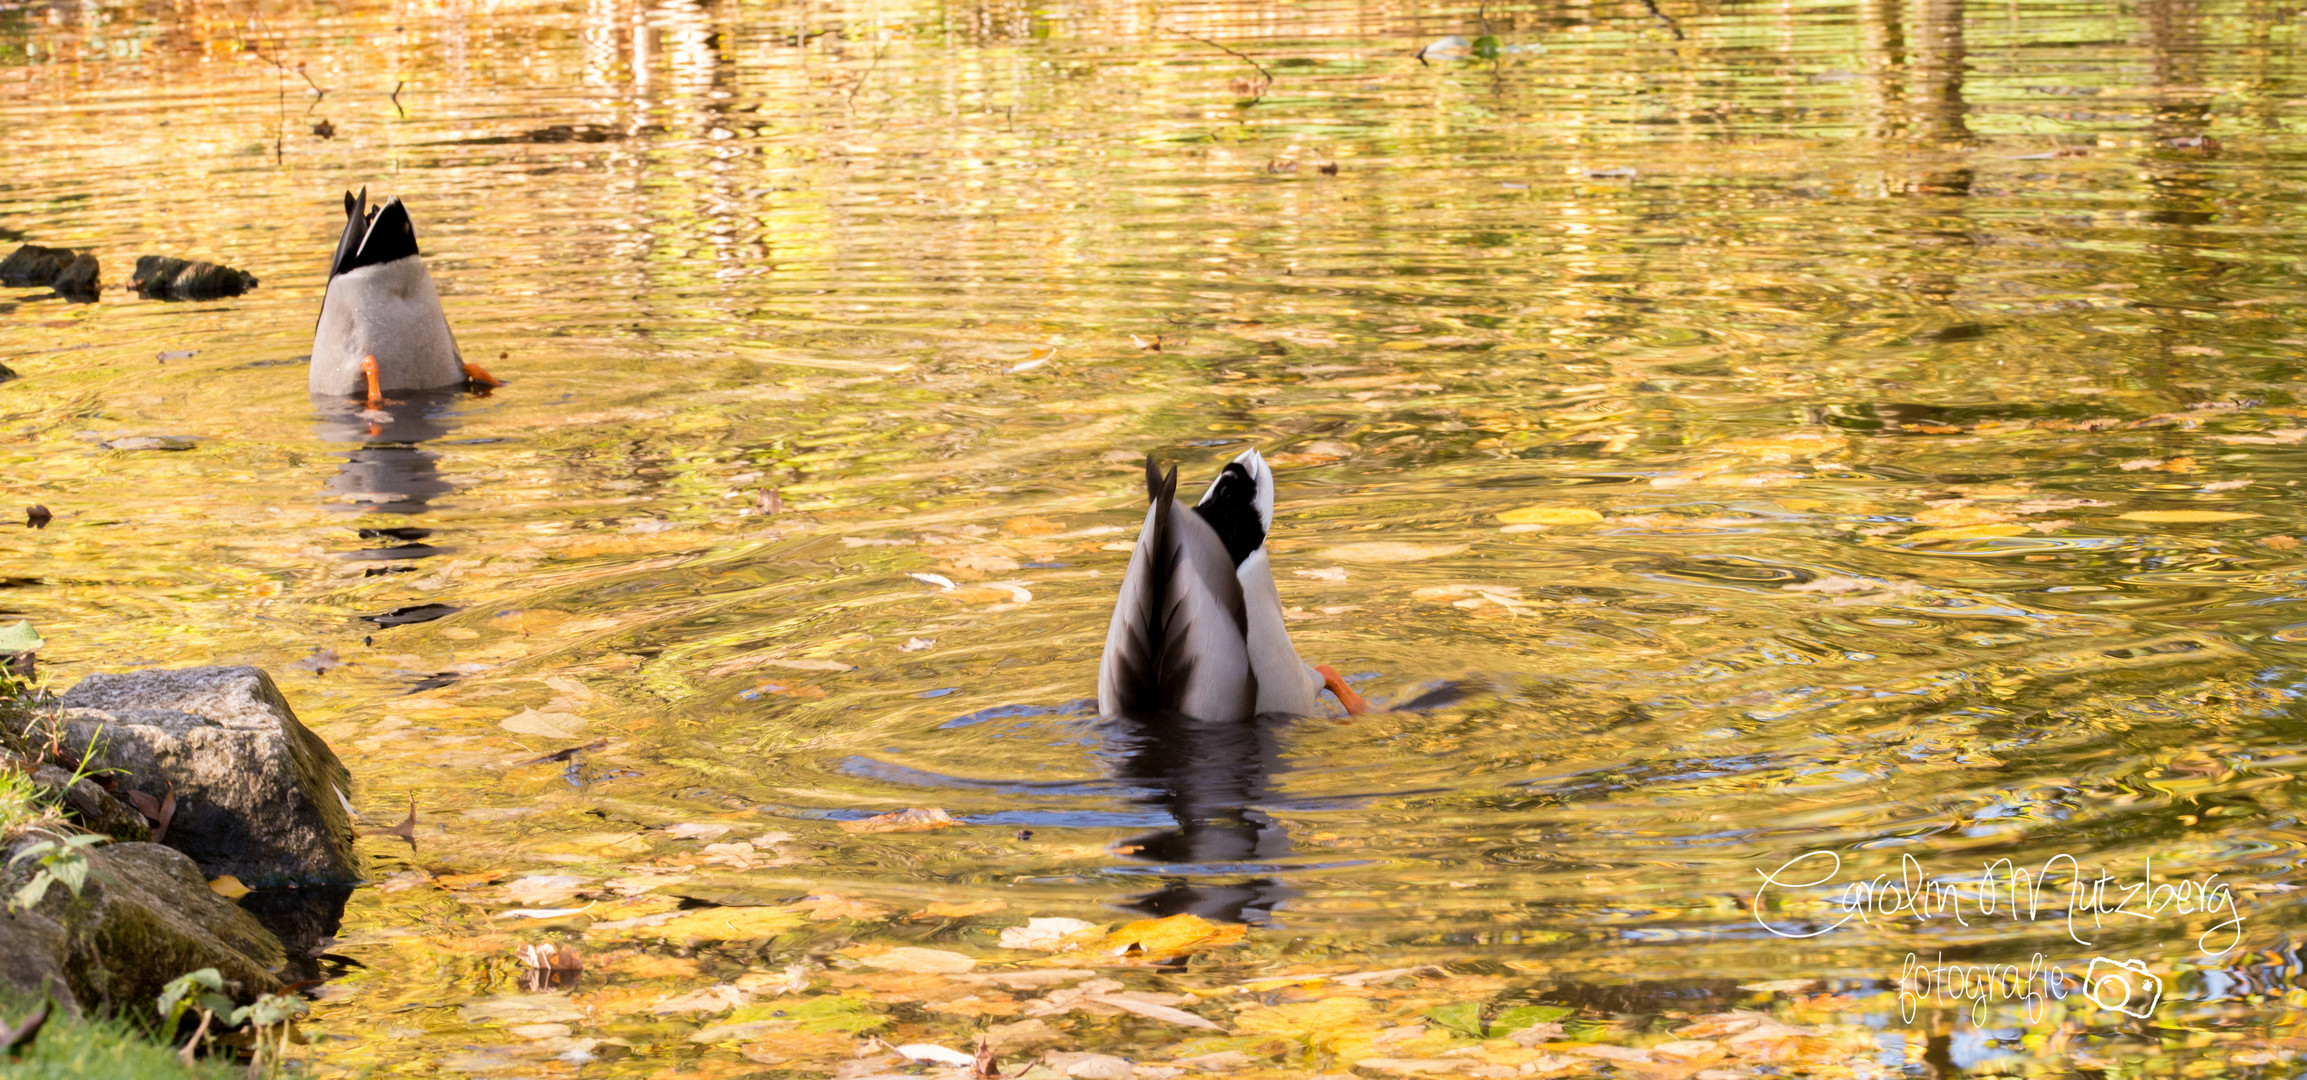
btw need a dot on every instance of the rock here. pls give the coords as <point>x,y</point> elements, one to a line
<point>162,277</point>
<point>77,281</point>
<point>259,796</point>
<point>96,809</point>
<point>32,266</point>
<point>143,916</point>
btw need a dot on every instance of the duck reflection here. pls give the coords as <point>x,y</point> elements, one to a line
<point>1209,777</point>
<point>386,472</point>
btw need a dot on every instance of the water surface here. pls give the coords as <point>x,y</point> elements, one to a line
<point>1774,427</point>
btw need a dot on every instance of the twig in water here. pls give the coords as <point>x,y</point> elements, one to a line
<point>860,83</point>
<point>1672,27</point>
<point>1265,78</point>
<point>397,98</point>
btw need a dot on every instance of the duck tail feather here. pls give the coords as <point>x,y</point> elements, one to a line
<point>355,227</point>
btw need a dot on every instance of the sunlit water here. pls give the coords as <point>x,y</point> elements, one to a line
<point>1910,398</point>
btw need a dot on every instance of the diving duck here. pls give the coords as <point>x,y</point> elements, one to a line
<point>381,324</point>
<point>1198,629</point>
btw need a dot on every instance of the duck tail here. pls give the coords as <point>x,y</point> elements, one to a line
<point>1175,643</point>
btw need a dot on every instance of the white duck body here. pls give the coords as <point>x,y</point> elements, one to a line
<point>1198,627</point>
<point>381,303</point>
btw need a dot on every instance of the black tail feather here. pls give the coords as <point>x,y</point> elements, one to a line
<point>355,227</point>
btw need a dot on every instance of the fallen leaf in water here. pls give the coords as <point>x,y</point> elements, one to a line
<point>1031,526</point>
<point>537,890</point>
<point>793,980</point>
<point>929,820</point>
<point>552,725</point>
<point>1389,551</point>
<point>830,906</point>
<point>699,831</point>
<point>1957,514</point>
<point>550,964</point>
<point>920,961</point>
<point>228,887</point>
<point>1049,935</point>
<point>37,517</point>
<point>465,881</point>
<point>942,910</point>
<point>2280,543</point>
<point>1170,936</point>
<point>727,924</point>
<point>1153,1010</point>
<point>1550,515</point>
<point>2185,516</point>
<point>711,999</point>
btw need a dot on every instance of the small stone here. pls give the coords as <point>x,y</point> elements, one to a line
<point>37,516</point>
<point>163,277</point>
<point>77,281</point>
<point>32,266</point>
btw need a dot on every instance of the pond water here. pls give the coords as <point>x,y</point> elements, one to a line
<point>1740,430</point>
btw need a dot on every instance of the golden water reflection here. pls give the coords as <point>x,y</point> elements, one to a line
<point>1865,428</point>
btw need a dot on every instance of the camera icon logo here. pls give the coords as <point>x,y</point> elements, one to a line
<point>2123,986</point>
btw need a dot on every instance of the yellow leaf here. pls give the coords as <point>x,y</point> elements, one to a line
<point>728,924</point>
<point>1166,937</point>
<point>2183,516</point>
<point>942,910</point>
<point>1031,526</point>
<point>1550,515</point>
<point>228,887</point>
<point>919,960</point>
<point>1961,515</point>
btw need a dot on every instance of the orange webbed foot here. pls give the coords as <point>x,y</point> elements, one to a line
<point>1346,696</point>
<point>479,381</point>
<point>376,398</point>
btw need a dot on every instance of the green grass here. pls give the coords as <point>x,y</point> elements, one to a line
<point>83,1048</point>
<point>22,802</point>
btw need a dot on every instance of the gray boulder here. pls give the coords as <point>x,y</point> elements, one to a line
<point>258,795</point>
<point>144,915</point>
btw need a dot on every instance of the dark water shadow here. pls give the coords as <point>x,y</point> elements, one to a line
<point>1208,777</point>
<point>306,921</point>
<point>388,471</point>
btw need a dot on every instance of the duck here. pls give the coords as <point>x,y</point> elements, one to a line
<point>381,325</point>
<point>1197,631</point>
